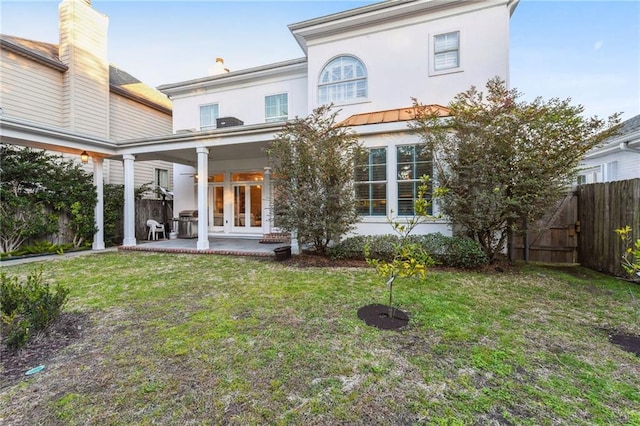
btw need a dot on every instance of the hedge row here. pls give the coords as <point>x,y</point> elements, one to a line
<point>456,252</point>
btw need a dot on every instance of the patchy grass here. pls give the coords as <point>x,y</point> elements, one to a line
<point>179,339</point>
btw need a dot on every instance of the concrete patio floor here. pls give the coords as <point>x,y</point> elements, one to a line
<point>233,246</point>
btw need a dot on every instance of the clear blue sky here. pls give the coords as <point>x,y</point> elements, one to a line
<point>586,50</point>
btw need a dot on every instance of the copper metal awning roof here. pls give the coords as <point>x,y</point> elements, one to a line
<point>390,116</point>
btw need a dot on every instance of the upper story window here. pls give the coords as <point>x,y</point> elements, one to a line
<point>208,115</point>
<point>276,108</point>
<point>446,51</point>
<point>342,80</point>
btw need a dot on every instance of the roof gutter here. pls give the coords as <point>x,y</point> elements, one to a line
<point>624,146</point>
<point>619,143</point>
<point>512,6</point>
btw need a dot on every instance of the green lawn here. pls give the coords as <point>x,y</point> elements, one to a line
<point>191,339</point>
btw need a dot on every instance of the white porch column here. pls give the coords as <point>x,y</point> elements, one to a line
<point>129,202</point>
<point>98,181</point>
<point>203,182</point>
<point>266,201</point>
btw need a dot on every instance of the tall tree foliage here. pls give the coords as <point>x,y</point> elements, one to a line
<point>313,165</point>
<point>35,189</point>
<point>502,162</point>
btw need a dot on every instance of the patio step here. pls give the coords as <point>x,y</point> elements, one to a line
<point>276,237</point>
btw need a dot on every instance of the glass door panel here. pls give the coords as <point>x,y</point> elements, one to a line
<point>239,206</point>
<point>247,206</point>
<point>255,208</point>
<point>218,206</point>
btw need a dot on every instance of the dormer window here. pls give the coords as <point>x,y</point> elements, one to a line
<point>342,80</point>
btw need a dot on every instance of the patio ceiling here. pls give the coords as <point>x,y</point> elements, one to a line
<point>224,144</point>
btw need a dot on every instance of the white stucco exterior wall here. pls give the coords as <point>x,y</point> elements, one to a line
<point>245,101</point>
<point>398,57</point>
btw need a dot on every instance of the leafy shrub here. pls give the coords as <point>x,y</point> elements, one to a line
<point>630,260</point>
<point>28,307</point>
<point>448,251</point>
<point>380,247</point>
<point>457,252</point>
<point>15,329</point>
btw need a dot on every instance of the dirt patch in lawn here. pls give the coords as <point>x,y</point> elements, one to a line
<point>69,327</point>
<point>628,342</point>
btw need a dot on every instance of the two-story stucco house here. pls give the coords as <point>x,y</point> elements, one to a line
<point>67,98</point>
<point>369,62</point>
<point>617,158</point>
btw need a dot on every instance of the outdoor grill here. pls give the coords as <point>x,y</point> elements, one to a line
<point>188,224</point>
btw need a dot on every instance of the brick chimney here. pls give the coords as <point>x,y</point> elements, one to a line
<point>83,48</point>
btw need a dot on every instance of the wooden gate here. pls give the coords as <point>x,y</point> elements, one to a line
<point>553,239</point>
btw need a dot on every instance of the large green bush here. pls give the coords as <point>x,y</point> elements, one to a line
<point>29,307</point>
<point>456,252</point>
<point>380,247</point>
<point>37,188</point>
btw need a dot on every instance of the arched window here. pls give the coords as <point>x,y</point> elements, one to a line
<point>344,79</point>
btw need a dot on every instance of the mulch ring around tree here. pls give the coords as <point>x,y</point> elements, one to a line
<point>628,342</point>
<point>383,317</point>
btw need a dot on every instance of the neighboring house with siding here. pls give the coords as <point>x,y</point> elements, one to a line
<point>71,87</point>
<point>617,158</point>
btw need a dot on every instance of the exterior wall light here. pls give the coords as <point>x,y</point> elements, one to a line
<point>84,157</point>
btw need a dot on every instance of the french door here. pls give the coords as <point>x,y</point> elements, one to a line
<point>247,207</point>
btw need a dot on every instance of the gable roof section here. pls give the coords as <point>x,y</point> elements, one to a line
<point>125,84</point>
<point>292,66</point>
<point>120,82</point>
<point>44,53</point>
<point>390,116</point>
<point>627,139</point>
<point>629,126</point>
<point>378,13</point>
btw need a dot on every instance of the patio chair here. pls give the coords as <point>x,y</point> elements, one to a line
<point>155,228</point>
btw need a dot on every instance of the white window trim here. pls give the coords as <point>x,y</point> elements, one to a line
<point>461,44</point>
<point>397,181</point>
<point>356,100</point>
<point>156,176</point>
<point>271,120</point>
<point>379,217</point>
<point>214,126</point>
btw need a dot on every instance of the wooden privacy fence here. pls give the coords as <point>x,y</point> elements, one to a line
<point>602,208</point>
<point>580,228</point>
<point>152,209</point>
<point>144,209</point>
<point>554,238</point>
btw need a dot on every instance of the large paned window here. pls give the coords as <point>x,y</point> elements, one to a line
<point>414,161</point>
<point>371,183</point>
<point>276,108</point>
<point>342,80</point>
<point>446,51</point>
<point>208,115</point>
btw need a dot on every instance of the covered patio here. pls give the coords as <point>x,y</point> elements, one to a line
<point>228,246</point>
